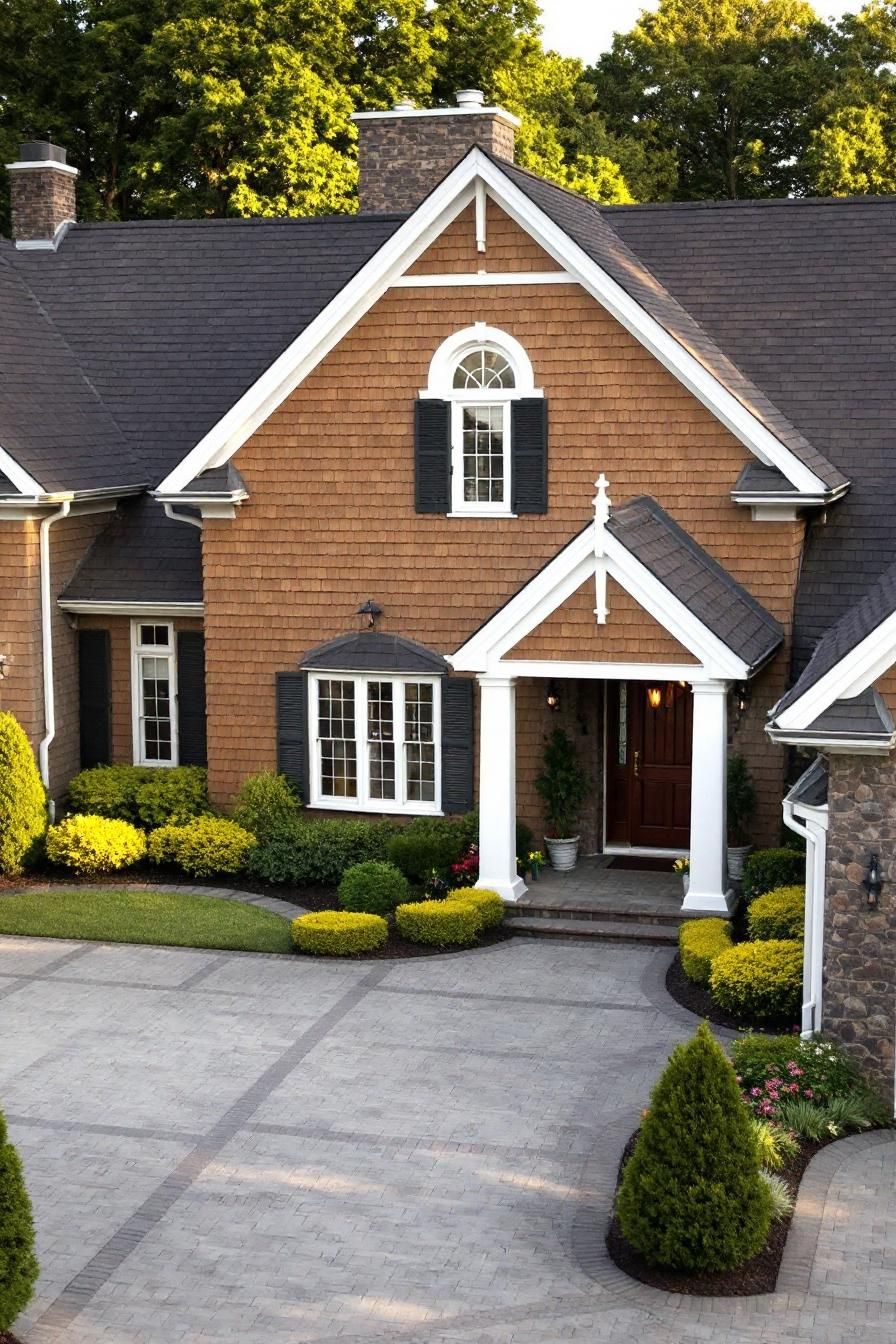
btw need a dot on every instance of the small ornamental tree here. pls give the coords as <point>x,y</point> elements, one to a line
<point>692,1197</point>
<point>562,785</point>
<point>23,801</point>
<point>18,1266</point>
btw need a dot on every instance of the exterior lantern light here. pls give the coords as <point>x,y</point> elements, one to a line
<point>552,699</point>
<point>4,666</point>
<point>873,882</point>
<point>654,697</point>
<point>370,614</point>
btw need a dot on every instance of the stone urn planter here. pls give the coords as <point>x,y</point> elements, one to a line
<point>563,853</point>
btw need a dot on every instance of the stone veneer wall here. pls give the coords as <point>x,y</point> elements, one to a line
<point>859,1004</point>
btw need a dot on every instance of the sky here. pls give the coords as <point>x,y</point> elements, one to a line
<point>585,28</point>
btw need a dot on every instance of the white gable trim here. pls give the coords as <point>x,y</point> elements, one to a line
<point>486,651</point>
<point>855,672</point>
<point>443,205</point>
<point>20,478</point>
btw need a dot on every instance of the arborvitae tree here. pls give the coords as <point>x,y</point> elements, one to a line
<point>18,1265</point>
<point>692,1197</point>
<point>23,801</point>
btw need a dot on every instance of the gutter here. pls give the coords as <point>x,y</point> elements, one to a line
<point>46,635</point>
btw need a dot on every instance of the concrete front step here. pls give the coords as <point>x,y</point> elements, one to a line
<point>606,930</point>
<point>601,913</point>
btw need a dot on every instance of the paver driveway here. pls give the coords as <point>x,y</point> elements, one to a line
<point>233,1147</point>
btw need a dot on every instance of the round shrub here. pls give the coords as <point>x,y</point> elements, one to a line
<point>18,1265</point>
<point>699,942</point>
<point>339,933</point>
<point>759,982</point>
<point>778,914</point>
<point>204,847</point>
<point>172,795</point>
<point>265,804</point>
<point>767,869</point>
<point>440,923</point>
<point>418,852</point>
<point>488,903</point>
<point>23,802</point>
<point>95,844</point>
<point>374,888</point>
<point>109,791</point>
<point>692,1196</point>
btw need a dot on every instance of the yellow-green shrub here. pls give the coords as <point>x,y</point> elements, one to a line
<point>95,844</point>
<point>778,914</point>
<point>203,847</point>
<point>699,942</point>
<point>759,981</point>
<point>23,803</point>
<point>339,933</point>
<point>440,923</point>
<point>488,903</point>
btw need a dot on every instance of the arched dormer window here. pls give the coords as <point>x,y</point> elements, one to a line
<point>481,429</point>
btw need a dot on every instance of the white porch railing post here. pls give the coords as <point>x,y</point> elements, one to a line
<point>497,787</point>
<point>708,889</point>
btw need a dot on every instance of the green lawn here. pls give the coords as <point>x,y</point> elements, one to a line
<point>113,915</point>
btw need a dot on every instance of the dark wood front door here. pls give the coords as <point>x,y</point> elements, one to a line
<point>649,765</point>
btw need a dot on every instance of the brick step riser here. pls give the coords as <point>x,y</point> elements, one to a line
<point>589,913</point>
<point>596,935</point>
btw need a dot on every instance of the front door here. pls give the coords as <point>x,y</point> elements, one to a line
<point>649,764</point>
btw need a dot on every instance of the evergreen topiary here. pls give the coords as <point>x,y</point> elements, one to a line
<point>373,888</point>
<point>265,804</point>
<point>692,1197</point>
<point>23,801</point>
<point>18,1265</point>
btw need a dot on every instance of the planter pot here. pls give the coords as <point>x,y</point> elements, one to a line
<point>534,871</point>
<point>736,856</point>
<point>563,853</point>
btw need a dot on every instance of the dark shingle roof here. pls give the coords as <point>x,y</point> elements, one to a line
<point>370,651</point>
<point>6,486</point>
<point>706,589</point>
<point>812,786</point>
<point>758,479</point>
<point>172,321</point>
<point>865,715</point>
<point>216,481</point>
<point>141,556</point>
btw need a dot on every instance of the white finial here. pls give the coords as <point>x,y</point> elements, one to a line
<point>602,505</point>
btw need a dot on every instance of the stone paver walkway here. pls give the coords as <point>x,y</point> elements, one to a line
<point>231,1147</point>
<point>593,884</point>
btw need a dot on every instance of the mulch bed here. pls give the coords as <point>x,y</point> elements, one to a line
<point>758,1275</point>
<point>697,999</point>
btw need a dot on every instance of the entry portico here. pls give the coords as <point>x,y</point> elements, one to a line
<point>720,636</point>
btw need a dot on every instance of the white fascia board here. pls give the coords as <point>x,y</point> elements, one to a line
<point>18,475</point>
<point>169,609</point>
<point>463,278</point>
<point>833,745</point>
<point>443,205</point>
<point>692,673</point>
<point>853,674</point>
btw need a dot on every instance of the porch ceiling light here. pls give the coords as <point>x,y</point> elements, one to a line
<point>552,699</point>
<point>369,613</point>
<point>654,697</point>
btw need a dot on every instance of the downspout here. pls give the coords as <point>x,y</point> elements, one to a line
<point>181,517</point>
<point>46,636</point>
<point>813,830</point>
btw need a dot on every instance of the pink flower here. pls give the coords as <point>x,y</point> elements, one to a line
<point>808,1093</point>
<point>755,1091</point>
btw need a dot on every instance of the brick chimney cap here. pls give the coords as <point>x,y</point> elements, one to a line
<point>470,98</point>
<point>41,151</point>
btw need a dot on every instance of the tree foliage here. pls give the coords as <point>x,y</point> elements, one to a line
<point>18,1265</point>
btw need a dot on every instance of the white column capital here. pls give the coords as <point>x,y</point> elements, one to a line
<point>709,688</point>
<point>496,681</point>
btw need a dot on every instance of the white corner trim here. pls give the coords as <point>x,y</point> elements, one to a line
<point>854,673</point>
<point>45,244</point>
<point>20,478</point>
<point>410,240</point>
<point>455,279</point>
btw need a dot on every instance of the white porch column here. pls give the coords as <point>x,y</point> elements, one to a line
<point>708,890</point>
<point>497,787</point>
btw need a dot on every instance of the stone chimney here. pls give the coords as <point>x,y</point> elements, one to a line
<point>406,152</point>
<point>43,194</point>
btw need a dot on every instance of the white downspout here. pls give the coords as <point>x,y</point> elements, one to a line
<point>813,831</point>
<point>46,636</point>
<point>181,517</point>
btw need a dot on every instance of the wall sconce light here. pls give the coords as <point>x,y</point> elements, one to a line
<point>552,699</point>
<point>873,882</point>
<point>369,613</point>
<point>4,666</point>
<point>654,697</point>
<point>742,697</point>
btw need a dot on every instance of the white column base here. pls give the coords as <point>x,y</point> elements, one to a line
<point>709,903</point>
<point>508,891</point>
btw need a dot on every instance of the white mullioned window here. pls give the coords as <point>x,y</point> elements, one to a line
<point>154,692</point>
<point>375,742</point>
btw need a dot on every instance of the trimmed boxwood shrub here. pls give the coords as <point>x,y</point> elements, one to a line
<point>18,1264</point>
<point>204,847</point>
<point>142,794</point>
<point>23,802</point>
<point>699,942</point>
<point>691,1195</point>
<point>339,933</point>
<point>778,914</point>
<point>95,844</point>
<point>488,903</point>
<point>418,852</point>
<point>759,982</point>
<point>302,853</point>
<point>440,923</point>
<point>172,796</point>
<point>374,888</point>
<point>265,804</point>
<point>108,791</point>
<point>767,869</point>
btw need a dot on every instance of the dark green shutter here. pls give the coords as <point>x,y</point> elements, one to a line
<point>191,730</point>
<point>432,456</point>
<point>529,454</point>
<point>94,697</point>
<point>292,729</point>
<point>457,744</point>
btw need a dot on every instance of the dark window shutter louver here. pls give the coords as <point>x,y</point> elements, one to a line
<point>457,745</point>
<point>292,729</point>
<point>529,452</point>
<point>94,698</point>
<point>191,729</point>
<point>432,456</point>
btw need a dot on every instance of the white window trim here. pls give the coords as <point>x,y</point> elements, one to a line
<point>363,802</point>
<point>138,650</point>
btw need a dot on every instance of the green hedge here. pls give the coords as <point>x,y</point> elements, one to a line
<point>307,853</point>
<point>23,802</point>
<point>92,845</point>
<point>439,923</point>
<point>419,852</point>
<point>767,869</point>
<point>265,804</point>
<point>700,941</point>
<point>204,847</point>
<point>373,888</point>
<point>759,982</point>
<point>144,795</point>
<point>339,933</point>
<point>778,914</point>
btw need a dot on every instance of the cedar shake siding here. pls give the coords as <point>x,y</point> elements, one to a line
<point>21,693</point>
<point>630,635</point>
<point>508,247</point>
<point>331,521</point>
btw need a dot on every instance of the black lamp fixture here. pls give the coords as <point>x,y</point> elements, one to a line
<point>370,613</point>
<point>552,699</point>
<point>873,882</point>
<point>4,666</point>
